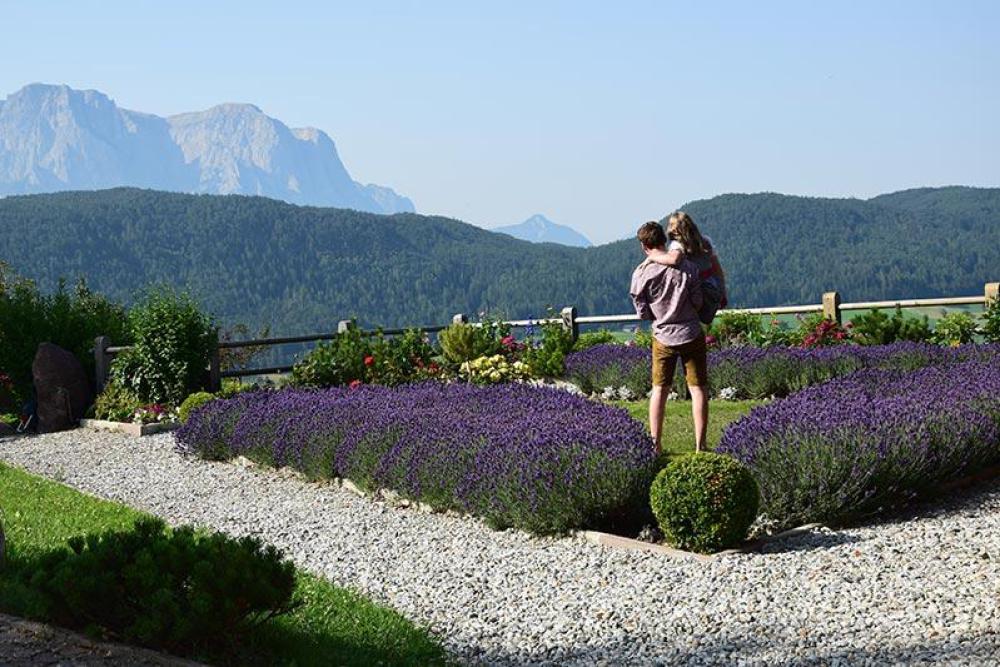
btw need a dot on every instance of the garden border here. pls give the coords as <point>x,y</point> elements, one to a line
<point>128,428</point>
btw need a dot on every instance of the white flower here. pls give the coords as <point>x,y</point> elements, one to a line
<point>625,393</point>
<point>727,393</point>
<point>609,394</point>
<point>672,396</point>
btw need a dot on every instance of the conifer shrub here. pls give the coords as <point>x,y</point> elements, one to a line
<point>186,592</point>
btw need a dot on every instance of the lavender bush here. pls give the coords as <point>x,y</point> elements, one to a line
<point>519,456</point>
<point>874,439</point>
<point>610,365</point>
<point>756,372</point>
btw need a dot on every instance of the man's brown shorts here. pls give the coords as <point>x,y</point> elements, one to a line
<point>694,355</point>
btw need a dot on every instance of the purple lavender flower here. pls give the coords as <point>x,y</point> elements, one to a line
<point>534,458</point>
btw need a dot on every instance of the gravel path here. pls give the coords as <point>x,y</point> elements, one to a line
<point>922,590</point>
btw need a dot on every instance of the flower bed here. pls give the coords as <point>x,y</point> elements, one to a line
<point>874,439</point>
<point>756,372</point>
<point>533,458</point>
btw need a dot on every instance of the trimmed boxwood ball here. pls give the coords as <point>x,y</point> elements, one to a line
<point>704,502</point>
<point>195,400</point>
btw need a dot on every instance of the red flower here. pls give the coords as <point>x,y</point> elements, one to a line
<point>711,340</point>
<point>355,384</point>
<point>369,360</point>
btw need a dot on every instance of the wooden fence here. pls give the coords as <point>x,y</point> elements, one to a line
<point>830,306</point>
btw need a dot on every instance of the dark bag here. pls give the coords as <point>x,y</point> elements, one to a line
<point>712,296</point>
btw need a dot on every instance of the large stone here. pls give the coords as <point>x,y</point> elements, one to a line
<point>61,387</point>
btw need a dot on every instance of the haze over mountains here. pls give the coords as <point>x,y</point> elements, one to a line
<point>301,269</point>
<point>539,229</point>
<point>55,138</point>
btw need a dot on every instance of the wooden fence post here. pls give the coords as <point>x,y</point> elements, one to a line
<point>992,293</point>
<point>102,362</point>
<point>569,321</point>
<point>831,306</point>
<point>460,318</point>
<point>215,366</point>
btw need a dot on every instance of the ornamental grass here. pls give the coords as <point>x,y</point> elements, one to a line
<point>538,459</point>
<point>873,440</point>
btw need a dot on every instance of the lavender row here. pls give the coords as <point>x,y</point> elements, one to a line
<point>519,456</point>
<point>873,440</point>
<point>764,372</point>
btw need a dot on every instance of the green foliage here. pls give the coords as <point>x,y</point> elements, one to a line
<point>643,338</point>
<point>955,329</point>
<point>877,328</point>
<point>736,328</point>
<point>704,502</point>
<point>353,356</point>
<point>173,343</point>
<point>991,322</point>
<point>463,342</point>
<point>591,338</point>
<point>546,354</point>
<point>71,319</point>
<point>307,262</point>
<point>116,403</point>
<point>172,589</point>
<point>192,402</point>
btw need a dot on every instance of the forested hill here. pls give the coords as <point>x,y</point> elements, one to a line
<point>258,261</point>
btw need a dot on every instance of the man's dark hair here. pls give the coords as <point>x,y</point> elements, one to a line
<point>652,235</point>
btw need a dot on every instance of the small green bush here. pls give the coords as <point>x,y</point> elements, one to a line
<point>178,590</point>
<point>704,502</point>
<point>955,328</point>
<point>195,400</point>
<point>464,342</point>
<point>589,339</point>
<point>736,328</point>
<point>877,328</point>
<point>116,403</point>
<point>991,322</point>
<point>173,342</point>
<point>546,354</point>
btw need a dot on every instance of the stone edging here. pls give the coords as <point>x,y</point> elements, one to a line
<point>128,428</point>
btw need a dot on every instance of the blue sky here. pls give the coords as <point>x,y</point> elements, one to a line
<point>599,115</point>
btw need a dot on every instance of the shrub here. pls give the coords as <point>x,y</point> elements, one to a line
<point>493,370</point>
<point>193,402</point>
<point>704,502</point>
<point>173,589</point>
<point>354,356</point>
<point>991,322</point>
<point>116,403</point>
<point>534,458</point>
<point>736,328</point>
<point>871,440</point>
<point>589,339</point>
<point>826,332</point>
<point>71,319</point>
<point>462,342</point>
<point>173,342</point>
<point>601,366</point>
<point>955,328</point>
<point>877,328</point>
<point>546,353</point>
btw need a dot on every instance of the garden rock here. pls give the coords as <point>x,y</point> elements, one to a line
<point>6,430</point>
<point>62,388</point>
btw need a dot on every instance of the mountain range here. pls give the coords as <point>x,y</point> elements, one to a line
<point>55,138</point>
<point>301,269</point>
<point>539,229</point>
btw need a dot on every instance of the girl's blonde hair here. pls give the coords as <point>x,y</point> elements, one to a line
<point>681,228</point>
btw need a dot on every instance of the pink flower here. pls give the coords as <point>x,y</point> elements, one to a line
<point>369,360</point>
<point>354,384</point>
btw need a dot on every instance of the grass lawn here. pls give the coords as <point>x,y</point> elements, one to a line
<point>331,626</point>
<point>678,429</point>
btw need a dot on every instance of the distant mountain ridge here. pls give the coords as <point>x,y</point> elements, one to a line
<point>539,229</point>
<point>55,138</point>
<point>301,269</point>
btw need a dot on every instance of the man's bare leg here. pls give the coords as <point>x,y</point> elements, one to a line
<point>699,410</point>
<point>657,399</point>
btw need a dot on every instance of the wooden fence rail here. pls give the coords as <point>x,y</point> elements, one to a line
<point>830,306</point>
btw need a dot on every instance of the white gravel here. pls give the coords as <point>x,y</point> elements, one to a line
<point>915,590</point>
